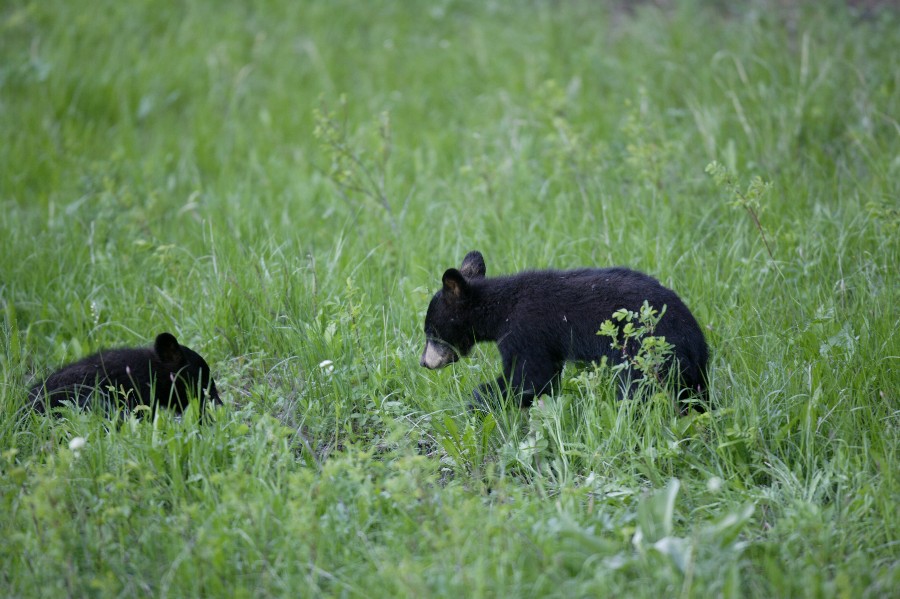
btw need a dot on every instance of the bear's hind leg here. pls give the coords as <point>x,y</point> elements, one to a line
<point>627,384</point>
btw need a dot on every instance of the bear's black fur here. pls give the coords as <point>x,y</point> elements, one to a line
<point>541,319</point>
<point>167,374</point>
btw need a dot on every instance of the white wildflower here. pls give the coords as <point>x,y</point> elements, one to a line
<point>327,366</point>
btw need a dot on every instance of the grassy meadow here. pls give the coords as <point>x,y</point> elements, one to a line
<point>281,184</point>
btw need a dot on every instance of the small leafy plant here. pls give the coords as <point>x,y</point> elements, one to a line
<point>641,350</point>
<point>468,448</point>
<point>749,199</point>
<point>357,171</point>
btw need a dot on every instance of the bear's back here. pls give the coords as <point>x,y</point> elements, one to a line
<point>127,369</point>
<point>564,309</point>
<point>597,290</point>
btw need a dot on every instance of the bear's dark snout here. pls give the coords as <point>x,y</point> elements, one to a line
<point>437,355</point>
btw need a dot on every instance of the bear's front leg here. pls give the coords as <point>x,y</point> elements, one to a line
<point>526,380</point>
<point>486,394</point>
<point>534,376</point>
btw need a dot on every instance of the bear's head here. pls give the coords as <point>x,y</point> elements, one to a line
<point>449,331</point>
<point>188,372</point>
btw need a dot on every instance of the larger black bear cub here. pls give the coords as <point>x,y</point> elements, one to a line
<point>167,374</point>
<point>541,319</point>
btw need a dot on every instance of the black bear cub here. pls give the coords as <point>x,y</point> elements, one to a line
<point>167,374</point>
<point>541,319</point>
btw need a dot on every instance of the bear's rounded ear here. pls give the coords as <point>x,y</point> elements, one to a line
<point>167,348</point>
<point>473,265</point>
<point>454,283</point>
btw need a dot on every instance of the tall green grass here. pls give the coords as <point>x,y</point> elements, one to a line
<point>283,183</point>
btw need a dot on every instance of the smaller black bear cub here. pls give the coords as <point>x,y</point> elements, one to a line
<point>541,319</point>
<point>167,374</point>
